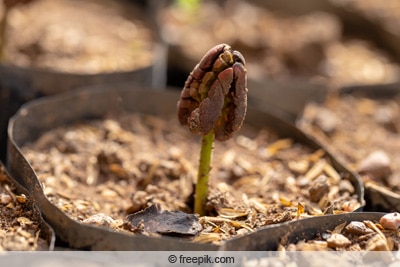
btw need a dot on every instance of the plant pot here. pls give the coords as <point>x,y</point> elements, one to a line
<point>20,83</point>
<point>295,231</point>
<point>21,217</point>
<point>315,242</point>
<point>286,89</point>
<point>302,63</point>
<point>96,102</point>
<point>372,108</point>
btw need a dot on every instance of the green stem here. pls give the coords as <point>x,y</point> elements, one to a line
<point>207,142</point>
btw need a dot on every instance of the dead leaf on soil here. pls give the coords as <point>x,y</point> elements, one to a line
<point>165,222</point>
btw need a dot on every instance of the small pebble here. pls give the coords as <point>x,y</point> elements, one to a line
<point>24,221</point>
<point>376,164</point>
<point>101,220</point>
<point>386,116</point>
<point>346,186</point>
<point>21,198</point>
<point>5,198</point>
<point>358,228</point>
<point>390,221</point>
<point>326,120</point>
<point>175,152</point>
<point>338,241</point>
<point>109,194</point>
<point>319,188</point>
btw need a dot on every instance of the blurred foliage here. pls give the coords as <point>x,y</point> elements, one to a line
<point>188,5</point>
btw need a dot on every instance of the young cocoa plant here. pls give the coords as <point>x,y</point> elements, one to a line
<point>213,104</point>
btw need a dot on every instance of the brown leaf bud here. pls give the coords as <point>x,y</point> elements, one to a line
<point>214,96</point>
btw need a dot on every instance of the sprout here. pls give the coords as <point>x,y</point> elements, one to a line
<point>213,104</point>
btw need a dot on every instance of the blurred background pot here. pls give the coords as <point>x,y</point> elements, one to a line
<point>294,52</point>
<point>75,43</point>
<point>95,102</point>
<point>360,125</point>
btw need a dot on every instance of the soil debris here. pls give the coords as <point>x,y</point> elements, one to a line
<point>19,225</point>
<point>109,166</point>
<point>76,36</point>
<point>361,140</point>
<point>355,236</point>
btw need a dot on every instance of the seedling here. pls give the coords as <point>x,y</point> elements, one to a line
<point>213,104</point>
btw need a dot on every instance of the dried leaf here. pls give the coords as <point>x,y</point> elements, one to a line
<point>279,145</point>
<point>119,171</point>
<point>377,243</point>
<point>300,209</point>
<point>284,201</point>
<point>317,155</point>
<point>231,213</point>
<point>338,229</point>
<point>373,226</point>
<point>207,238</point>
<point>332,173</point>
<point>166,222</point>
<point>315,170</point>
<point>259,206</point>
<point>299,166</point>
<point>238,224</point>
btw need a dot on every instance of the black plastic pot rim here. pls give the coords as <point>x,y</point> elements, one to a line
<point>297,230</point>
<point>157,65</point>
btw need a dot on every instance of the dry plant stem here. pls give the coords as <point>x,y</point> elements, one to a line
<point>203,174</point>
